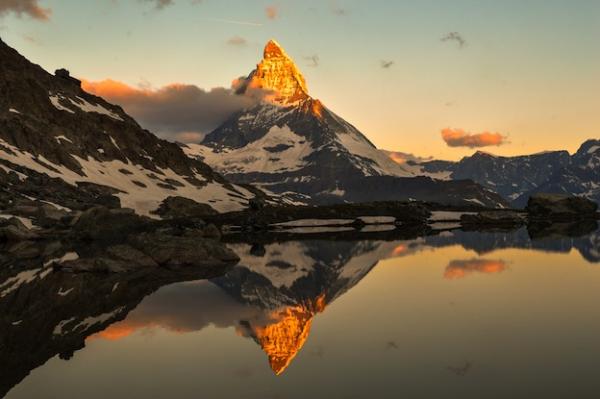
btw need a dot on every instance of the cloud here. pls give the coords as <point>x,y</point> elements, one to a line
<point>336,9</point>
<point>460,138</point>
<point>176,112</point>
<point>403,157</point>
<point>31,39</point>
<point>313,60</point>
<point>456,37</point>
<point>272,12</point>
<point>237,41</point>
<point>160,4</point>
<point>386,64</point>
<point>250,88</point>
<point>233,22</point>
<point>461,268</point>
<point>30,8</point>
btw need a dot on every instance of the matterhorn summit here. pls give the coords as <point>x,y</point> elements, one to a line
<point>278,73</point>
<point>291,144</point>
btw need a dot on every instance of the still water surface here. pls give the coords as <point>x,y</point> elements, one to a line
<point>469,315</point>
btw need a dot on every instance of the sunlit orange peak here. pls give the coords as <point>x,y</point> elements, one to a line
<point>277,72</point>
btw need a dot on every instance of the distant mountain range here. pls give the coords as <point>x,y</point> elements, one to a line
<point>516,178</point>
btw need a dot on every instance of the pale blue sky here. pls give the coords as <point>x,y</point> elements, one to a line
<point>529,68</point>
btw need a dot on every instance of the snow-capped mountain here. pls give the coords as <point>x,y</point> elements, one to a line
<point>55,137</point>
<point>516,178</point>
<point>290,143</point>
<point>581,176</point>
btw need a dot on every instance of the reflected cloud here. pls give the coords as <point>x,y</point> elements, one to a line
<point>461,268</point>
<point>182,309</point>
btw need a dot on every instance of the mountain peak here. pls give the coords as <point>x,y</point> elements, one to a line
<point>273,49</point>
<point>278,73</point>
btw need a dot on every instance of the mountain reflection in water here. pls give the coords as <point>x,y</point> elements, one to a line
<point>272,297</point>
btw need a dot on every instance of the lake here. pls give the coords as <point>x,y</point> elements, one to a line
<point>455,314</point>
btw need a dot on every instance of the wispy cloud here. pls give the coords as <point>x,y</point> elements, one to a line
<point>30,8</point>
<point>237,41</point>
<point>31,39</point>
<point>313,60</point>
<point>232,21</point>
<point>160,4</point>
<point>461,138</point>
<point>336,9</point>
<point>454,37</point>
<point>272,11</point>
<point>386,64</point>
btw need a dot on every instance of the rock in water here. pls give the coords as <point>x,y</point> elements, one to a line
<point>560,207</point>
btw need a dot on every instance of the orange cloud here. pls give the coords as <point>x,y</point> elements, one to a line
<point>177,111</point>
<point>108,88</point>
<point>403,157</point>
<point>461,268</point>
<point>461,138</point>
<point>25,7</point>
<point>272,12</point>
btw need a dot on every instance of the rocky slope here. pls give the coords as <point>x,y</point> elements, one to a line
<point>517,178</point>
<point>63,145</point>
<point>290,143</point>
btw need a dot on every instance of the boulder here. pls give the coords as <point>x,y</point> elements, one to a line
<point>256,203</point>
<point>49,216</point>
<point>212,231</point>
<point>560,207</point>
<point>13,230</point>
<point>180,207</point>
<point>134,258</point>
<point>101,223</point>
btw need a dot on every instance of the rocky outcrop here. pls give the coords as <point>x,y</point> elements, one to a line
<point>13,230</point>
<point>560,207</point>
<point>407,213</point>
<point>508,219</point>
<point>180,207</point>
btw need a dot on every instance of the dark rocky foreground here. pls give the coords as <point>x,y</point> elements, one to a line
<point>77,272</point>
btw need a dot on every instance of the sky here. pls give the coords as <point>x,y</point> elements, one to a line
<point>430,77</point>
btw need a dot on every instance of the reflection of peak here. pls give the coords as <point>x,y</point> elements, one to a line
<point>283,339</point>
